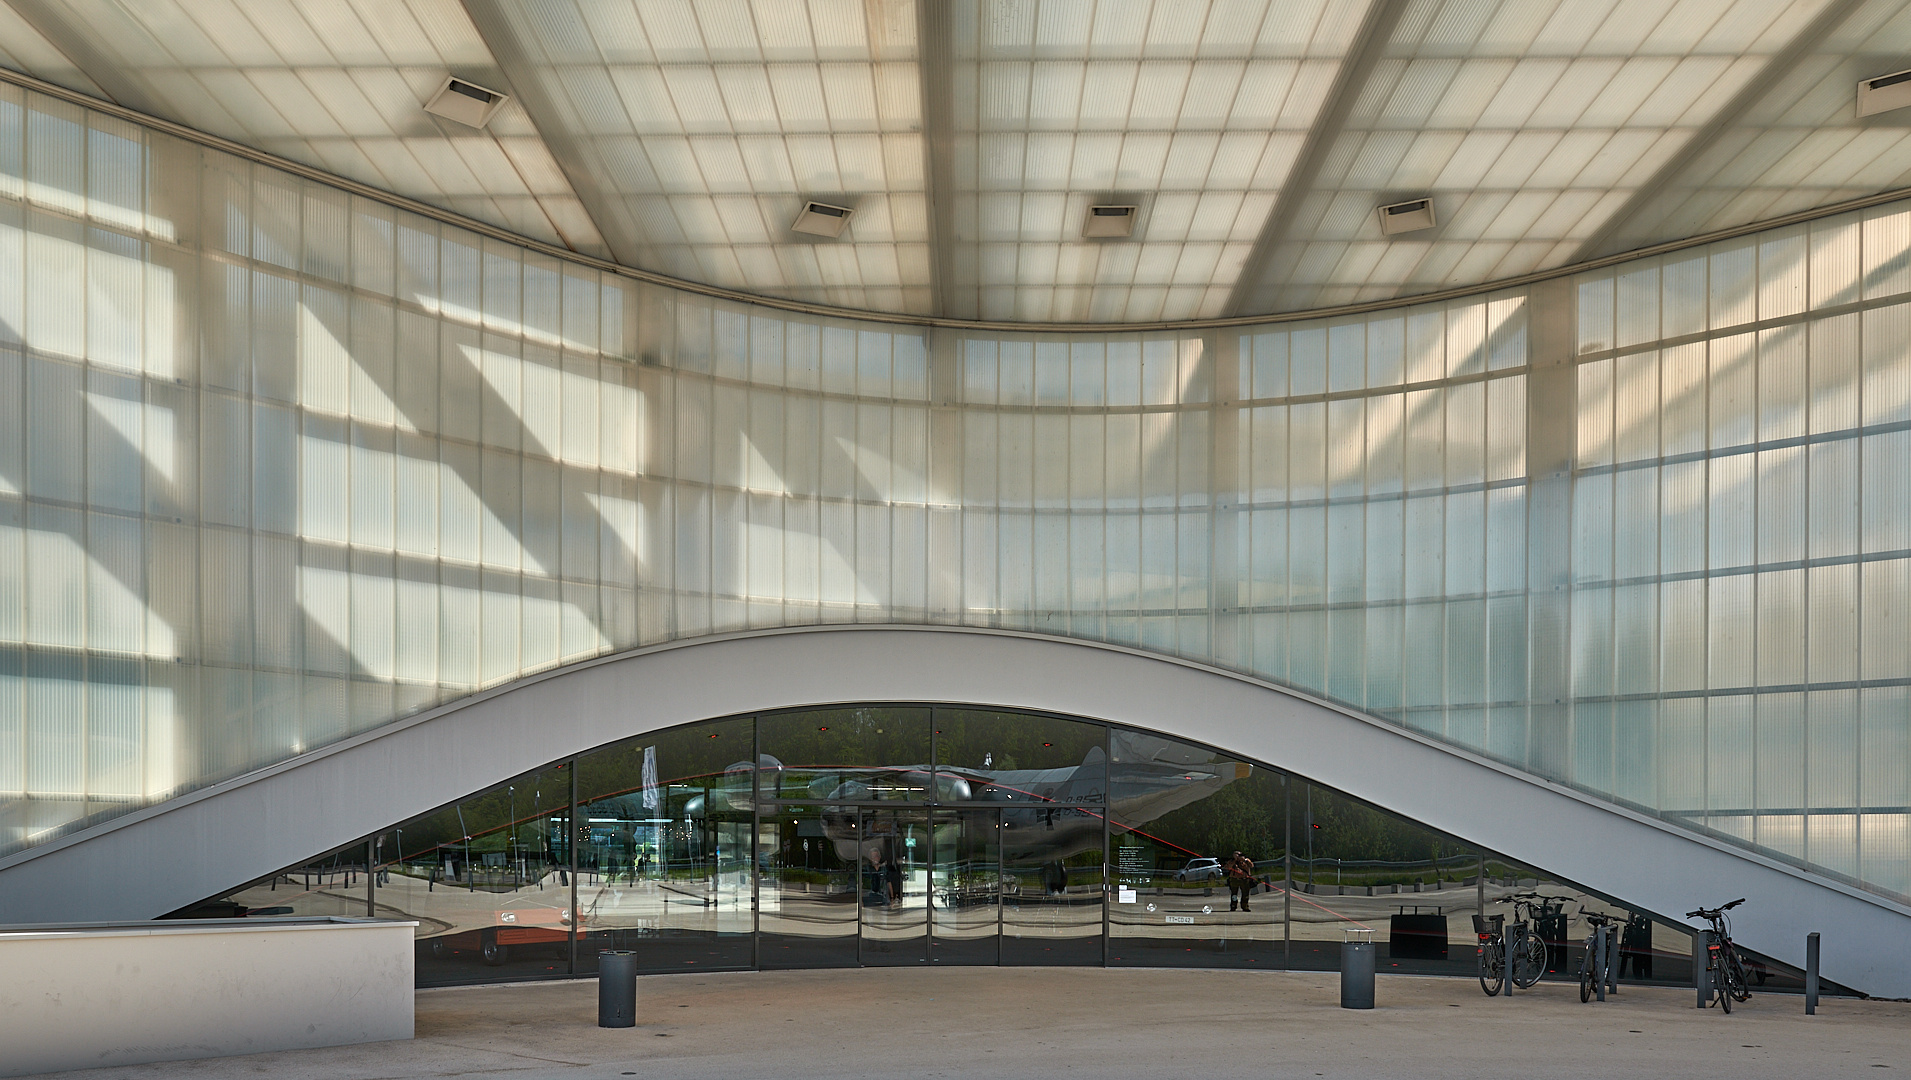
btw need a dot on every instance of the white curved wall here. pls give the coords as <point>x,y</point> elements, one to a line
<point>280,465</point>
<point>171,855</point>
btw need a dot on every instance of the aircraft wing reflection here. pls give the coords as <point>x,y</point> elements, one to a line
<point>1050,813</point>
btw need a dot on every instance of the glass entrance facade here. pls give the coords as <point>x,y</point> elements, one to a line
<point>919,835</point>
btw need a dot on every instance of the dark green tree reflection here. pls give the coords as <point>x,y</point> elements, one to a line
<point>857,755</point>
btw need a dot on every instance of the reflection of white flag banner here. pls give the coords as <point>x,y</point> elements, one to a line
<point>650,778</point>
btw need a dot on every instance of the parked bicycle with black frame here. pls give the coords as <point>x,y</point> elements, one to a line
<point>1722,961</point>
<point>1527,947</point>
<point>1592,966</point>
<point>1491,930</point>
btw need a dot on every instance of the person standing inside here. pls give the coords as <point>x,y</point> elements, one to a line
<point>1240,871</point>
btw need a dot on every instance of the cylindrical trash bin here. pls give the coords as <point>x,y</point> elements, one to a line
<point>616,989</point>
<point>1357,970</point>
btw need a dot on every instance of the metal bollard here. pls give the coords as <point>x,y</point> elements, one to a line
<point>1811,973</point>
<point>1357,970</point>
<point>616,989</point>
<point>1612,959</point>
<point>1515,942</point>
<point>1599,962</point>
<point>1701,972</point>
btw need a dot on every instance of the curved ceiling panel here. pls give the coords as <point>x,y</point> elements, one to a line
<point>1255,139</point>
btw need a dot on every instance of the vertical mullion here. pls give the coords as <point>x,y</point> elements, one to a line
<point>1287,859</point>
<point>1108,771</point>
<point>756,834</point>
<point>570,844</point>
<point>929,900</point>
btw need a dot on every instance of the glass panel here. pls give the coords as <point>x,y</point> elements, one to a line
<point>966,910</point>
<point>807,888</point>
<point>1052,885</point>
<point>893,864</point>
<point>488,879</point>
<point>1190,828</point>
<point>865,754</point>
<point>331,884</point>
<point>1650,950</point>
<point>1018,758</point>
<point>664,848</point>
<point>1357,867</point>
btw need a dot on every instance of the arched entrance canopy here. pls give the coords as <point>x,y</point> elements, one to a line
<point>181,850</point>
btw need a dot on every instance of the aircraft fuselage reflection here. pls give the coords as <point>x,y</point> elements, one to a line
<point>1044,813</point>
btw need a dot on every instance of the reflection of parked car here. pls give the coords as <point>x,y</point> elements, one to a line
<point>1200,870</point>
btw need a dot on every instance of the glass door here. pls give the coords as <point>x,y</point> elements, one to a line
<point>893,871</point>
<point>1052,885</point>
<point>966,900</point>
<point>807,885</point>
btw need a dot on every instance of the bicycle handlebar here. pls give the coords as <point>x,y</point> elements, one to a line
<point>1713,913</point>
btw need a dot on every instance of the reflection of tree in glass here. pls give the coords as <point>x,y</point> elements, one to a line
<point>487,819</point>
<point>1246,816</point>
<point>1006,742</point>
<point>1368,846</point>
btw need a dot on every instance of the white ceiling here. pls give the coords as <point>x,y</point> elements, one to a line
<point>970,136</point>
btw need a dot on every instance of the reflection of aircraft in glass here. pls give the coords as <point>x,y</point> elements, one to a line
<point>1047,814</point>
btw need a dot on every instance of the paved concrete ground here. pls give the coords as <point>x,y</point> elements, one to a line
<point>1047,1022</point>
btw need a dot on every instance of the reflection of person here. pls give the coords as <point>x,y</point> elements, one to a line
<point>1240,871</point>
<point>1635,944</point>
<point>892,874</point>
<point>877,893</point>
<point>643,862</point>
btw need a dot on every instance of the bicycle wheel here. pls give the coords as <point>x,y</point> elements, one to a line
<point>1492,968</point>
<point>1586,981</point>
<point>1741,986</point>
<point>1725,998</point>
<point>1530,964</point>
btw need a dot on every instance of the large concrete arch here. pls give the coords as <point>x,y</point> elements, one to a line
<point>143,864</point>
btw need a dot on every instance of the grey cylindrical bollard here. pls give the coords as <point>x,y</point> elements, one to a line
<point>616,989</point>
<point>1811,973</point>
<point>1357,972</point>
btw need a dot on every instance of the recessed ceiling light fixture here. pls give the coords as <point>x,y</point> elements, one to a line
<point>822,219</point>
<point>1884,93</point>
<point>1405,217</point>
<point>466,102</point>
<point>1104,222</point>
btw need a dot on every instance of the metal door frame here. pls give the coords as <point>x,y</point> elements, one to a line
<point>865,812</point>
<point>956,813</point>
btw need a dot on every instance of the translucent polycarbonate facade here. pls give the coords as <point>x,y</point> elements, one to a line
<point>279,465</point>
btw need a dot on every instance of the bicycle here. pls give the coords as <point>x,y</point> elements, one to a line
<point>1492,952</point>
<point>1588,975</point>
<point>1529,954</point>
<point>1729,982</point>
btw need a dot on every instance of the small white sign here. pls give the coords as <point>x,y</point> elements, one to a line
<point>1125,896</point>
<point>1186,920</point>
